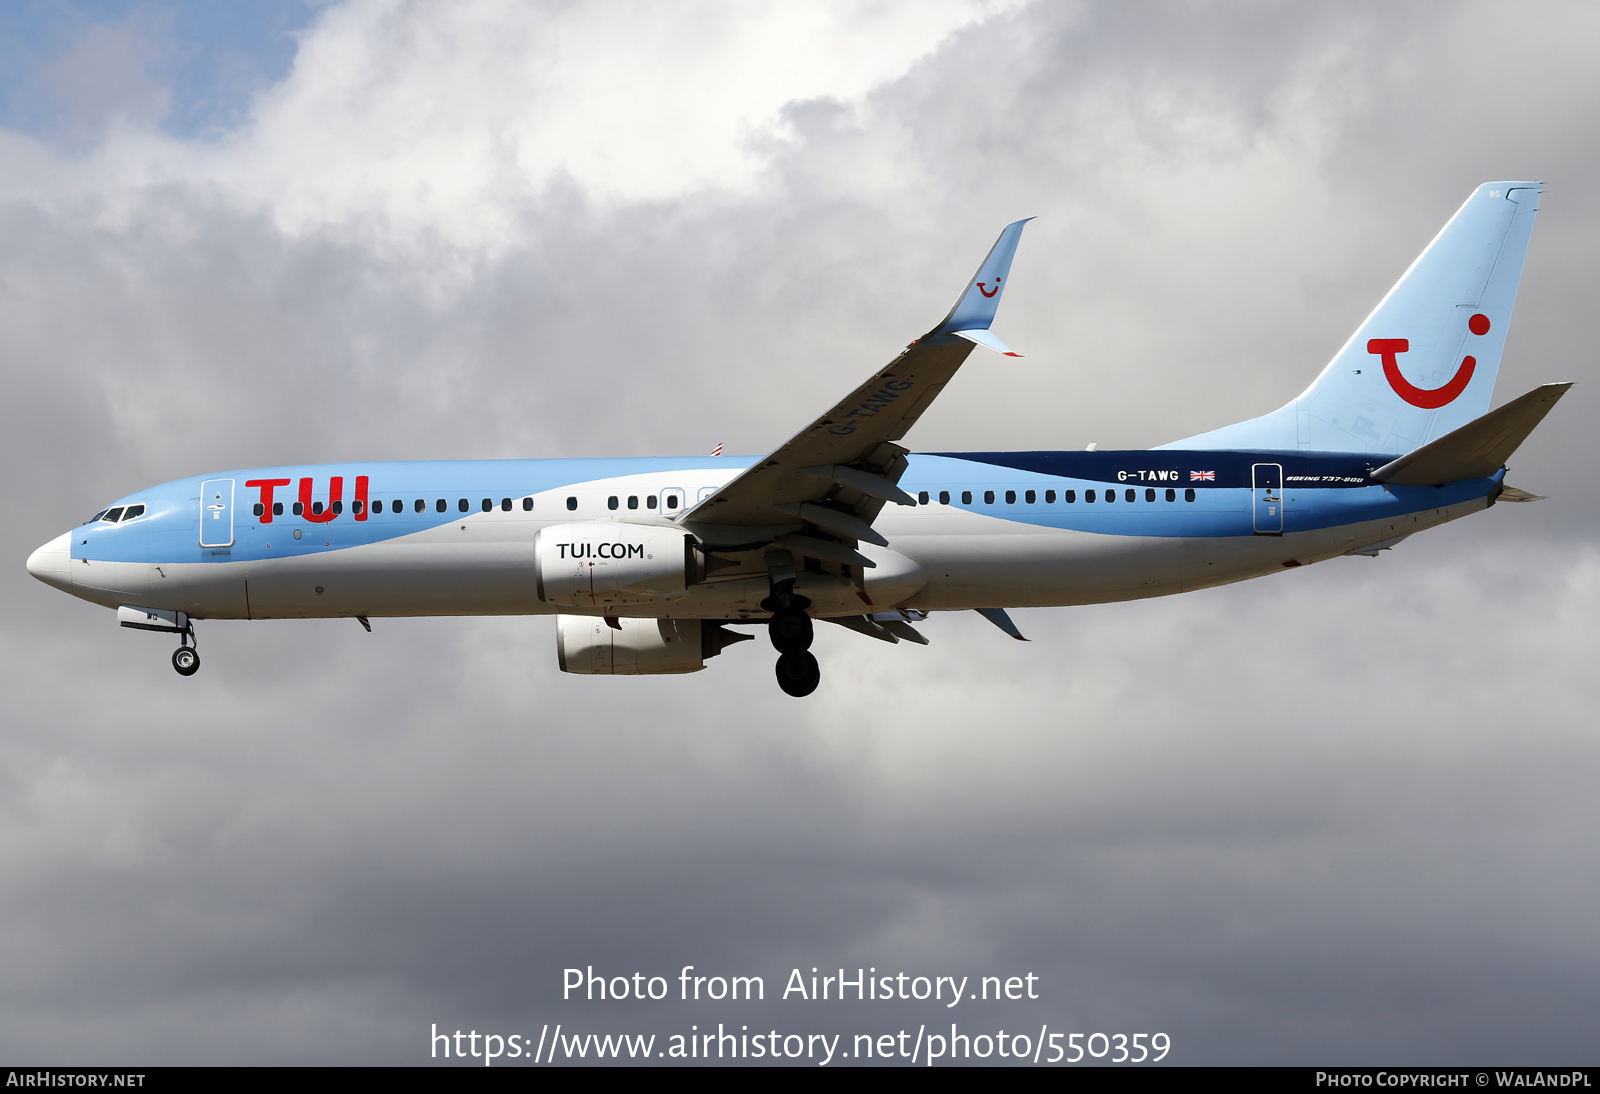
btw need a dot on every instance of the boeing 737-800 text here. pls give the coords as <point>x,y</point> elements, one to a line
<point>646,562</point>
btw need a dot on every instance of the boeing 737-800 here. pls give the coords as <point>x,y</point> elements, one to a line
<point>646,562</point>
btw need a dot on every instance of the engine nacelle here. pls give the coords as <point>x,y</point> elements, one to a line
<point>638,647</point>
<point>602,564</point>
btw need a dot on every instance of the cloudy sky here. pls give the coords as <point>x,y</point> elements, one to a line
<point>1342,815</point>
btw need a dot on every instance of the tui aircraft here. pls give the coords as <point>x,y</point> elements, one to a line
<point>647,563</point>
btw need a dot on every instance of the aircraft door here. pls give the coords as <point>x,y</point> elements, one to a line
<point>1266,492</point>
<point>216,513</point>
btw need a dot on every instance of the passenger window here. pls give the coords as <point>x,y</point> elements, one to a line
<point>1111,495</point>
<point>1011,497</point>
<point>488,504</point>
<point>672,501</point>
<point>420,505</point>
<point>966,497</point>
<point>462,505</point>
<point>277,508</point>
<point>1172,495</point>
<point>1049,497</point>
<point>1188,495</point>
<point>650,501</point>
<point>439,505</point>
<point>259,510</point>
<point>988,497</point>
<point>1150,494</point>
<point>527,505</point>
<point>113,515</point>
<point>1088,495</point>
<point>299,510</point>
<point>133,511</point>
<point>944,497</point>
<point>572,503</point>
<point>338,507</point>
<point>611,502</point>
<point>1030,497</point>
<point>316,508</point>
<point>1070,497</point>
<point>1130,494</point>
<point>633,501</point>
<point>505,505</point>
<point>922,498</point>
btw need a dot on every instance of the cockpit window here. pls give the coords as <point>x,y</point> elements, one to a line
<point>133,511</point>
<point>96,517</point>
<point>113,515</point>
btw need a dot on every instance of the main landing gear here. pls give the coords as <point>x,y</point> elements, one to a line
<point>186,658</point>
<point>791,633</point>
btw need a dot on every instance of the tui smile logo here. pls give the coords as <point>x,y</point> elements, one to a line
<point>1427,398</point>
<point>989,292</point>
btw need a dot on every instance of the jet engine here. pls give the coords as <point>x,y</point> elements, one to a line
<point>592,645</point>
<point>604,564</point>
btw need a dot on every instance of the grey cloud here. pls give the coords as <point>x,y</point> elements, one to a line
<point>1336,816</point>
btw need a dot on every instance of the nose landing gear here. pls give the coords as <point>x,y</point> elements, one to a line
<point>186,658</point>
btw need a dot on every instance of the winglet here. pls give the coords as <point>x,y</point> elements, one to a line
<point>975,310</point>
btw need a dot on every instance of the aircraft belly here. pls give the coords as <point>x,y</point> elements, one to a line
<point>205,590</point>
<point>1032,570</point>
<point>1069,567</point>
<point>397,578</point>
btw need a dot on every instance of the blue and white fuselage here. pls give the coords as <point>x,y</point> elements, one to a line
<point>991,530</point>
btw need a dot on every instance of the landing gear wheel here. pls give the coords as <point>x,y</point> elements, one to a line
<point>187,661</point>
<point>798,673</point>
<point>790,631</point>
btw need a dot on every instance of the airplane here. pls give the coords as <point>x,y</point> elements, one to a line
<point>647,563</point>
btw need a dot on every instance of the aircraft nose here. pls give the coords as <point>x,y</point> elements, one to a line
<point>52,563</point>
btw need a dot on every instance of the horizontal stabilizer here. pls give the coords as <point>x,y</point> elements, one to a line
<point>1511,493</point>
<point>999,618</point>
<point>1476,450</point>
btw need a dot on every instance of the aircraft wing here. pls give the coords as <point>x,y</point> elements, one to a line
<point>822,489</point>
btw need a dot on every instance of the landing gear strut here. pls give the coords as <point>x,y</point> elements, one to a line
<point>791,633</point>
<point>186,658</point>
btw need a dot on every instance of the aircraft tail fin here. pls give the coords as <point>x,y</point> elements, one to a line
<point>1476,450</point>
<point>1424,362</point>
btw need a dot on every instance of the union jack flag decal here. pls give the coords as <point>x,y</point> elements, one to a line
<point>1202,476</point>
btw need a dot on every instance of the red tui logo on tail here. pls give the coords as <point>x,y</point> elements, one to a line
<point>1426,398</point>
